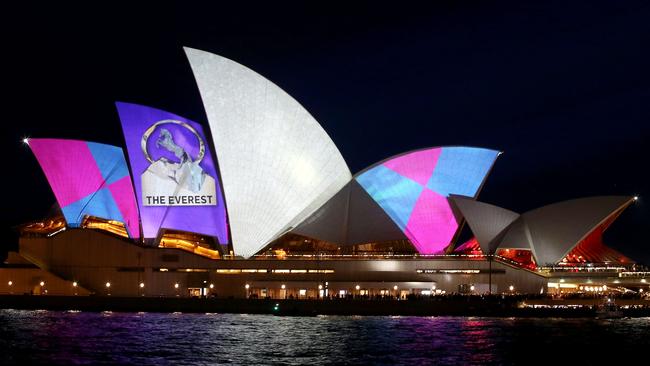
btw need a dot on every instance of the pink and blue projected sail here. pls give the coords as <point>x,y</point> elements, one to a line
<point>413,190</point>
<point>88,179</point>
<point>174,174</point>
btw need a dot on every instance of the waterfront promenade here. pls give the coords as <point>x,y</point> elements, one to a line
<point>498,306</point>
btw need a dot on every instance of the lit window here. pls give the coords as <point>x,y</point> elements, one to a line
<point>229,271</point>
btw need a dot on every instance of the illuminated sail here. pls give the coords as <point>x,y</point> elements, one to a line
<point>174,173</point>
<point>413,189</point>
<point>277,163</point>
<point>88,178</point>
<point>403,197</point>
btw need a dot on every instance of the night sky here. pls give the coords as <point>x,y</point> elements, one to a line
<point>562,87</point>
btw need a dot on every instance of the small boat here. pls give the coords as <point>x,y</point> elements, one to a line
<point>609,310</point>
<point>292,311</point>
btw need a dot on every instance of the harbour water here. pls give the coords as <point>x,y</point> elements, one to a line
<point>78,338</point>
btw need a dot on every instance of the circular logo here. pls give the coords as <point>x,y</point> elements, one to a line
<point>150,130</point>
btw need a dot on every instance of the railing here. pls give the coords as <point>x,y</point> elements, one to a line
<point>364,256</point>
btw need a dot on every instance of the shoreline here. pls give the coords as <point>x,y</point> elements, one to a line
<point>496,307</point>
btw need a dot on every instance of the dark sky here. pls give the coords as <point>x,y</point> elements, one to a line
<point>562,87</point>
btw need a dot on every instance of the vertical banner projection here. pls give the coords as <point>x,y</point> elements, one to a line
<point>88,179</point>
<point>175,178</point>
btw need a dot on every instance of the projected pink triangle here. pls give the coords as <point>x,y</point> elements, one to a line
<point>417,166</point>
<point>69,166</point>
<point>432,224</point>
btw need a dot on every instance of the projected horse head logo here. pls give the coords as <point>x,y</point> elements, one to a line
<point>175,176</point>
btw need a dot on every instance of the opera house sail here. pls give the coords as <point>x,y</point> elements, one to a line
<point>550,233</point>
<point>403,197</point>
<point>175,176</point>
<point>277,163</point>
<point>88,179</point>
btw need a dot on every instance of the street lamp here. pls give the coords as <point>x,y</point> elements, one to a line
<point>512,288</point>
<point>247,286</point>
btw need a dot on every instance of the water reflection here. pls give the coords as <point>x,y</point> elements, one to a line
<point>192,339</point>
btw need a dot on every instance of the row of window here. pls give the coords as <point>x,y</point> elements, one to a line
<point>230,270</point>
<point>283,271</point>
<point>459,271</point>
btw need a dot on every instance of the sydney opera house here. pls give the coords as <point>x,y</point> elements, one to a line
<point>267,207</point>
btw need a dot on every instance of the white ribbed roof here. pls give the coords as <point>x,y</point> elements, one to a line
<point>550,232</point>
<point>277,163</point>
